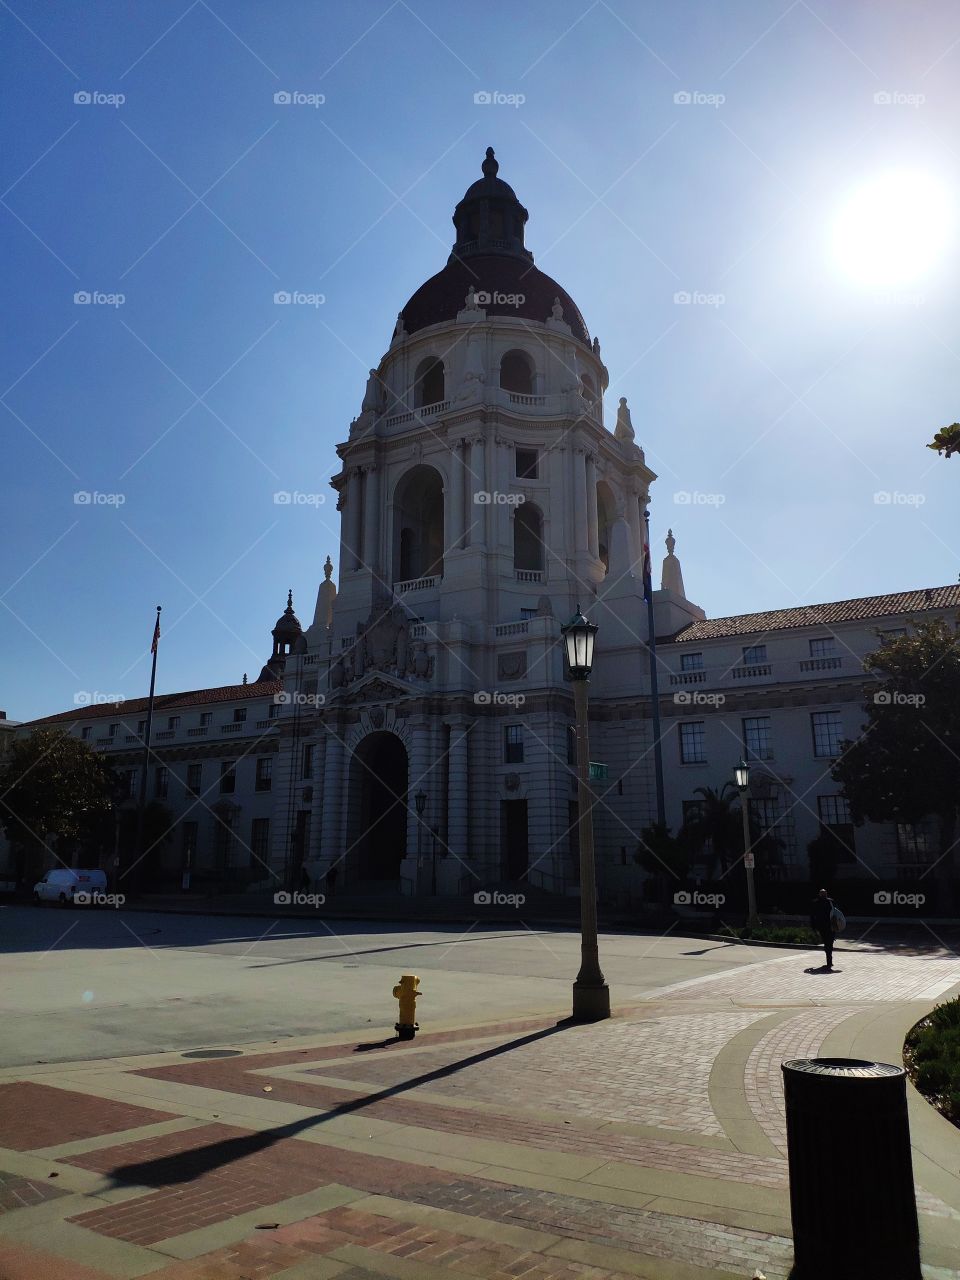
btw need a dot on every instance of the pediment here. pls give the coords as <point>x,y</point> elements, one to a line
<point>376,688</point>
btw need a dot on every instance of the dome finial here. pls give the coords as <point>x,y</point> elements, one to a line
<point>491,165</point>
<point>289,608</point>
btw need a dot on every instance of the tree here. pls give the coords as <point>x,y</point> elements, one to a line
<point>664,856</point>
<point>50,784</point>
<point>905,766</point>
<point>718,823</point>
<point>947,440</point>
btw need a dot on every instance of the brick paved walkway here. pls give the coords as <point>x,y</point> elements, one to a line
<point>651,1145</point>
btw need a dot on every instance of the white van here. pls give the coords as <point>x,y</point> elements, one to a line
<point>62,883</point>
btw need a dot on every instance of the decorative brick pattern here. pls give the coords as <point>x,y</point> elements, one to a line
<point>23,1193</point>
<point>35,1115</point>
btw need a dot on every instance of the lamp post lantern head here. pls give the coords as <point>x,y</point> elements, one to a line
<point>420,799</point>
<point>741,775</point>
<point>579,637</point>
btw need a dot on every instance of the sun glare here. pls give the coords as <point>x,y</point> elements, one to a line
<point>893,229</point>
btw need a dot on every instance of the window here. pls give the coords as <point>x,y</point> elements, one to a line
<point>824,647</point>
<point>692,747</point>
<point>527,464</point>
<point>306,761</point>
<point>194,778</point>
<point>827,733</point>
<point>894,634</point>
<point>260,838</point>
<point>526,613</point>
<point>513,744</point>
<point>691,662</point>
<point>429,383</point>
<point>161,782</point>
<point>756,737</point>
<point>128,783</point>
<point>914,843</point>
<point>764,816</point>
<point>188,841</point>
<point>85,732</point>
<point>206,719</point>
<point>273,709</point>
<point>527,538</point>
<point>754,653</point>
<point>173,722</point>
<point>239,715</point>
<point>228,777</point>
<point>264,773</point>
<point>223,839</point>
<point>112,731</point>
<point>834,811</point>
<point>141,727</point>
<point>571,744</point>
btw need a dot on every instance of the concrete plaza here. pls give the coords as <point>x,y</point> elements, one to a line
<point>500,1143</point>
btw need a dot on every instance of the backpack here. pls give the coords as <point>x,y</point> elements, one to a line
<point>838,920</point>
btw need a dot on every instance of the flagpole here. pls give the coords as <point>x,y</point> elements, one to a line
<point>654,681</point>
<point>141,803</point>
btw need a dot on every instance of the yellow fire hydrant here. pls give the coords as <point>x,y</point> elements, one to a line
<point>406,991</point>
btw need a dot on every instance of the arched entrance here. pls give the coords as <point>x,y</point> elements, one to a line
<point>377,832</point>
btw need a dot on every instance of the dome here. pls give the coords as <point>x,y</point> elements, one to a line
<point>490,255</point>
<point>442,296</point>
<point>288,624</point>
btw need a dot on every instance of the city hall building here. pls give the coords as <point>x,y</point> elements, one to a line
<point>417,735</point>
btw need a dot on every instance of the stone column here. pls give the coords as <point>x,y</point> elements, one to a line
<point>593,535</point>
<point>636,531</point>
<point>371,521</point>
<point>353,518</point>
<point>457,798</point>
<point>331,806</point>
<point>455,505</point>
<point>502,510</point>
<point>578,464</point>
<point>419,777</point>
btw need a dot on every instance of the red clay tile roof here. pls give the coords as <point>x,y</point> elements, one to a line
<point>813,615</point>
<point>164,702</point>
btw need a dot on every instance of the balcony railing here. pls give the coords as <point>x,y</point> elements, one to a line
<point>511,628</point>
<point>234,727</point>
<point>535,401</point>
<point>165,735</point>
<point>752,672</point>
<point>820,664</point>
<point>198,732</point>
<point>688,677</point>
<point>415,584</point>
<point>419,414</point>
<point>529,575</point>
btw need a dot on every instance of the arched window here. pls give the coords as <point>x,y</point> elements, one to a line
<point>528,537</point>
<point>606,514</point>
<point>418,528</point>
<point>516,373</point>
<point>429,383</point>
<point>589,388</point>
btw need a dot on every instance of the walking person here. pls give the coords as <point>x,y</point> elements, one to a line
<point>821,919</point>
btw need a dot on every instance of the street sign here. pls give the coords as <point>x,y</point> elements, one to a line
<point>598,772</point>
<point>748,861</point>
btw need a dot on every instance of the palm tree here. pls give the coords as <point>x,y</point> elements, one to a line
<point>717,826</point>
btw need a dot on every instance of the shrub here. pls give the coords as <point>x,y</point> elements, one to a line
<point>773,933</point>
<point>932,1055</point>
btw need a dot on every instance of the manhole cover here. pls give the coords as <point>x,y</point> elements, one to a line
<point>212,1053</point>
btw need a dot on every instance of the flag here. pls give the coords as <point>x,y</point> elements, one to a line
<point>156,636</point>
<point>647,575</point>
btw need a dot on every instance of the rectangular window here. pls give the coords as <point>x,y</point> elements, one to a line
<point>130,782</point>
<point>893,634</point>
<point>306,762</point>
<point>273,709</point>
<point>228,777</point>
<point>527,464</point>
<point>913,842</point>
<point>206,719</point>
<point>223,839</point>
<point>260,838</point>
<point>85,732</point>
<point>692,744</point>
<point>161,782</point>
<point>188,841</point>
<point>513,744</point>
<point>194,778</point>
<point>756,738</point>
<point>264,773</point>
<point>173,722</point>
<point>827,733</point>
<point>834,811</point>
<point>528,613</point>
<point>691,662</point>
<point>239,715</point>
<point>113,730</point>
<point>823,647</point>
<point>141,727</point>
<point>754,653</point>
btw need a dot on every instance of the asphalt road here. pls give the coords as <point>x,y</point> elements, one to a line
<point>81,984</point>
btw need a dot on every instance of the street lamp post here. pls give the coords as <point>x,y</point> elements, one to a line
<point>433,877</point>
<point>591,995</point>
<point>741,774</point>
<point>420,800</point>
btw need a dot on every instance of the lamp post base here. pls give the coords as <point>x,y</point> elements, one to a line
<point>591,1003</point>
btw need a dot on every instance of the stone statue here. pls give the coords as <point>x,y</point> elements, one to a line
<point>596,347</point>
<point>471,300</point>
<point>371,397</point>
<point>624,430</point>
<point>398,330</point>
<point>556,311</point>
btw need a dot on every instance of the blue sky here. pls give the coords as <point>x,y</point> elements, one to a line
<point>783,405</point>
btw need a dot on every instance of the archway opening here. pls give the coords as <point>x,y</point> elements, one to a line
<point>606,514</point>
<point>377,831</point>
<point>516,373</point>
<point>528,538</point>
<point>418,533</point>
<point>429,384</point>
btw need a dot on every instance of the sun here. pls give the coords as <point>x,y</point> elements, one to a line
<point>894,228</point>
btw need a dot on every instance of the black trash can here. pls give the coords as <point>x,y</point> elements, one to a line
<point>852,1198</point>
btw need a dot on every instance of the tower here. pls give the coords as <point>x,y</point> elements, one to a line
<point>481,498</point>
